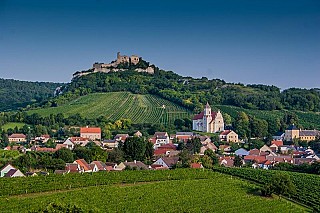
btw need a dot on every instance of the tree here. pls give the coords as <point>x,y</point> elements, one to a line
<point>280,184</point>
<point>212,155</point>
<point>193,145</point>
<point>242,125</point>
<point>116,155</point>
<point>256,144</point>
<point>185,159</point>
<point>134,148</point>
<point>181,145</point>
<point>227,119</point>
<point>206,161</point>
<point>51,144</point>
<point>65,154</point>
<point>237,162</point>
<point>97,153</point>
<point>259,127</point>
<point>149,150</point>
<point>82,153</point>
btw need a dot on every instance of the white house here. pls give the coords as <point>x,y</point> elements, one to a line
<point>6,169</point>
<point>160,138</point>
<point>167,162</point>
<point>10,171</point>
<point>69,144</point>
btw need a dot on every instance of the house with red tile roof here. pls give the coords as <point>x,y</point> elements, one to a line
<point>72,141</point>
<point>17,137</point>
<point>226,161</point>
<point>37,148</point>
<point>184,136</point>
<point>207,145</point>
<point>84,166</point>
<point>277,143</point>
<point>72,168</point>
<point>229,136</point>
<point>121,137</point>
<point>208,121</point>
<point>100,166</point>
<point>92,133</point>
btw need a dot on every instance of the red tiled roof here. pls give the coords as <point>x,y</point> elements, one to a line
<point>196,165</point>
<point>254,152</point>
<point>258,159</point>
<point>157,167</point>
<point>15,135</point>
<point>200,116</point>
<point>277,143</point>
<point>72,167</point>
<point>101,166</point>
<point>73,139</point>
<point>183,137</point>
<point>153,140</point>
<point>90,130</point>
<point>83,164</point>
<point>160,152</point>
<point>159,134</point>
<point>226,132</point>
<point>168,146</point>
<point>267,162</point>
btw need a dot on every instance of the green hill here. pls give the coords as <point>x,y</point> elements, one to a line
<point>145,191</point>
<point>15,94</point>
<point>115,105</point>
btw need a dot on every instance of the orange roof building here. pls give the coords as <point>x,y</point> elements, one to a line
<point>92,133</point>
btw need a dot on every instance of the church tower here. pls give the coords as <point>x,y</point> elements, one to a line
<point>207,118</point>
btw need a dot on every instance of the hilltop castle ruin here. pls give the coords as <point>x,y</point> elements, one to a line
<point>114,66</point>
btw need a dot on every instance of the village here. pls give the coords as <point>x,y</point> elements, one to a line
<point>227,147</point>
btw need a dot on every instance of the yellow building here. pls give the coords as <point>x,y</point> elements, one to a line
<point>305,135</point>
<point>229,136</point>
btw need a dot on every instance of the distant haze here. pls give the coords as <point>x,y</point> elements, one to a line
<point>249,41</point>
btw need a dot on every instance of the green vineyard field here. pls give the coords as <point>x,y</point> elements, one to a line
<point>306,119</point>
<point>185,190</point>
<point>116,105</point>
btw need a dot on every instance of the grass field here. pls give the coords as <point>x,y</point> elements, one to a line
<point>12,125</point>
<point>214,193</point>
<point>116,105</point>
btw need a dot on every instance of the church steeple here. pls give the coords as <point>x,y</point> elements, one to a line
<point>207,105</point>
<point>207,110</point>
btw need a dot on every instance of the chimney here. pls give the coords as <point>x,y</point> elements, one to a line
<point>135,162</point>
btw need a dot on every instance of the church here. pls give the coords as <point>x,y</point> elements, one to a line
<point>208,121</point>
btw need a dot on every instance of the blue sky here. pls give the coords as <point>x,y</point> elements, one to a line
<point>249,41</point>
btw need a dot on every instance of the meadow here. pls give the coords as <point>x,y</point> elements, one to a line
<point>116,105</point>
<point>190,191</point>
<point>12,125</point>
